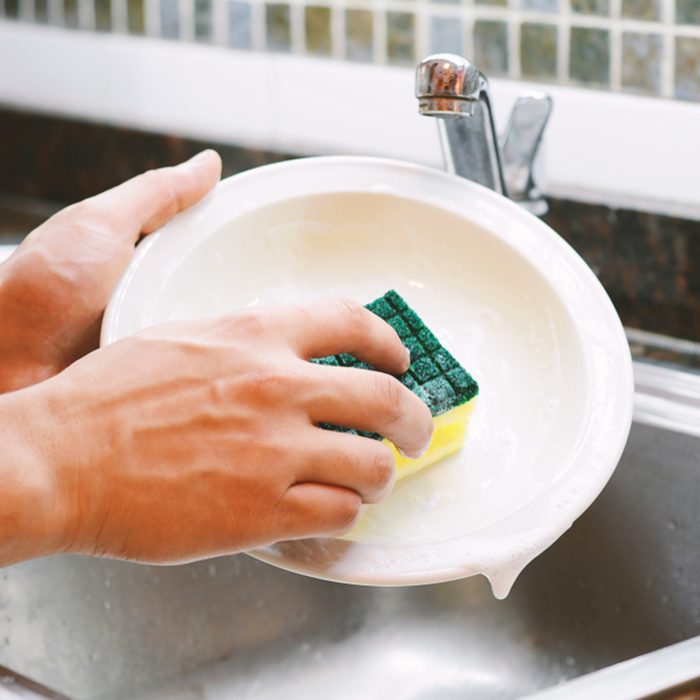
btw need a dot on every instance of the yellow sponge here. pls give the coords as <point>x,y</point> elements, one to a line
<point>434,375</point>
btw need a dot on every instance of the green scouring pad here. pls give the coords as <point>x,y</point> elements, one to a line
<point>434,375</point>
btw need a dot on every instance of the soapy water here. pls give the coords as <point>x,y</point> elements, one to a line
<point>489,307</point>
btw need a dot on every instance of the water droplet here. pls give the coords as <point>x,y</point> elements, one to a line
<point>570,661</point>
<point>665,599</point>
<point>212,570</point>
<point>672,525</point>
<point>107,605</point>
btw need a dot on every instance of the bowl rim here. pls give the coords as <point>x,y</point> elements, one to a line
<point>487,551</point>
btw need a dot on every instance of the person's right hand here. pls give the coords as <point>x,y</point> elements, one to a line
<point>200,438</point>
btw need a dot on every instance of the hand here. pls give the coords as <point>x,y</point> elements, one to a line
<point>200,438</point>
<point>54,288</point>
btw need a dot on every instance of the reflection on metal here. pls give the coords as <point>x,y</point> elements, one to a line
<point>672,673</point>
<point>16,687</point>
<point>452,89</point>
<point>667,398</point>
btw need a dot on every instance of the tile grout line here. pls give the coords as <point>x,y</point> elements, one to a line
<point>186,19</point>
<point>380,35</point>
<point>151,18</point>
<point>86,15</point>
<point>118,16</point>
<point>668,59</point>
<point>297,29</point>
<point>55,11</point>
<point>563,43</point>
<point>421,43</point>
<point>338,49</point>
<point>257,27</point>
<point>615,46</point>
<point>513,38</point>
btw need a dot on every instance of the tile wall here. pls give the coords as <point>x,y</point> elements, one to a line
<point>649,47</point>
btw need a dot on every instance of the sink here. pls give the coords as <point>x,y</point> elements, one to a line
<point>623,581</point>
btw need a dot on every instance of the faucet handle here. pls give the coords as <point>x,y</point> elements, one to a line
<point>521,145</point>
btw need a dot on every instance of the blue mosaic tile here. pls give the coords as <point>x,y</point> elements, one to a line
<point>540,5</point>
<point>688,11</point>
<point>103,15</point>
<point>70,13</point>
<point>687,68</point>
<point>446,35</point>
<point>591,7</point>
<point>278,31</point>
<point>359,33</point>
<point>317,27</point>
<point>169,19</point>
<point>239,25</point>
<point>12,9</point>
<point>491,46</point>
<point>202,20</point>
<point>589,56</point>
<point>641,9</point>
<point>538,50</point>
<point>41,11</point>
<point>400,37</point>
<point>135,18</point>
<point>641,62</point>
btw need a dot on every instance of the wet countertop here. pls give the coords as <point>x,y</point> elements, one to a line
<point>648,263</point>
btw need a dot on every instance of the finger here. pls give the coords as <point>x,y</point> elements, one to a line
<point>345,326</point>
<point>316,510</point>
<point>147,201</point>
<point>361,464</point>
<point>372,401</point>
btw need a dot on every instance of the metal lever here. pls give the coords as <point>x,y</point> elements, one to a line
<point>521,145</point>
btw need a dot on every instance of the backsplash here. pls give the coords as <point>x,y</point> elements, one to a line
<point>649,47</point>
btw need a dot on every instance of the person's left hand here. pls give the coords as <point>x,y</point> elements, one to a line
<point>55,286</point>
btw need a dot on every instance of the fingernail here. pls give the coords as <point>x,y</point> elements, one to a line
<point>418,455</point>
<point>407,355</point>
<point>199,158</point>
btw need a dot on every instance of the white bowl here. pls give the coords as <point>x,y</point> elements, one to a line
<point>511,300</point>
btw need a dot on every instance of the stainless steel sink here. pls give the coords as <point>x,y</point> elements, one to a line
<point>625,580</point>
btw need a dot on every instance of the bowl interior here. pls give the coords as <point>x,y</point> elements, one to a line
<point>488,305</point>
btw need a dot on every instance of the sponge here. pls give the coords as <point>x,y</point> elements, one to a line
<point>434,375</point>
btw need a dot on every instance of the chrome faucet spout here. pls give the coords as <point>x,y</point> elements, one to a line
<point>455,91</point>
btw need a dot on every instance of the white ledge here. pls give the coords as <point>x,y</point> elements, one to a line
<point>604,147</point>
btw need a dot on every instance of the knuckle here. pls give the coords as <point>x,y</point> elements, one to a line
<point>158,182</point>
<point>346,512</point>
<point>355,313</point>
<point>381,468</point>
<point>253,322</point>
<point>86,214</point>
<point>390,396</point>
<point>273,383</point>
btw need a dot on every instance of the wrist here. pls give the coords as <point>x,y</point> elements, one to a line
<point>34,510</point>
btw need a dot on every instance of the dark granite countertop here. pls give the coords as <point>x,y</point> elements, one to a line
<point>648,263</point>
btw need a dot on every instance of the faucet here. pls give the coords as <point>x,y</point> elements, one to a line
<point>457,92</point>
